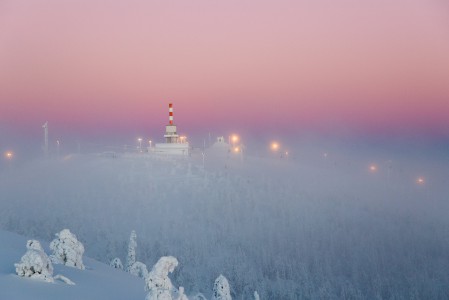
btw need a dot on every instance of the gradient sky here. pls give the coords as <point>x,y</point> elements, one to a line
<point>110,66</point>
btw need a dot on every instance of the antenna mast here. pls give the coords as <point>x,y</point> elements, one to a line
<point>45,126</point>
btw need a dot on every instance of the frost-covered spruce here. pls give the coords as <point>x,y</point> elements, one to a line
<point>256,295</point>
<point>67,250</point>
<point>221,289</point>
<point>134,267</point>
<point>116,263</point>
<point>35,263</point>
<point>157,283</point>
<point>131,257</point>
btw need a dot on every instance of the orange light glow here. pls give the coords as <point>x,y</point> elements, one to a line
<point>420,180</point>
<point>373,168</point>
<point>275,146</point>
<point>9,155</point>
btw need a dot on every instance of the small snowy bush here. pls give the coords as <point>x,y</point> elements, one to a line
<point>116,263</point>
<point>221,289</point>
<point>181,295</point>
<point>159,284</point>
<point>199,296</point>
<point>256,295</point>
<point>67,250</point>
<point>35,263</point>
<point>139,269</point>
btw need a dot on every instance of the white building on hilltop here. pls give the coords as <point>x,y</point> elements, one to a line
<point>174,144</point>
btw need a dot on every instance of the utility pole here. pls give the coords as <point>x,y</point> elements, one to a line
<point>45,126</point>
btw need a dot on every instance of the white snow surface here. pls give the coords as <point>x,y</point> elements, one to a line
<point>98,281</point>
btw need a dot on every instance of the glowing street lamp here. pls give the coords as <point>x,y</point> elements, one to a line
<point>140,144</point>
<point>420,180</point>
<point>236,149</point>
<point>275,146</point>
<point>9,155</point>
<point>150,143</point>
<point>183,139</point>
<point>234,139</point>
<point>373,168</point>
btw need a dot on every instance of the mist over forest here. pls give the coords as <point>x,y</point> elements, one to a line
<point>325,220</point>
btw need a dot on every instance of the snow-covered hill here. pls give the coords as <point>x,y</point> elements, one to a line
<point>98,281</point>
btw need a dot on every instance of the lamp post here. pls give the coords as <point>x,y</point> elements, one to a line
<point>239,149</point>
<point>420,181</point>
<point>9,156</point>
<point>140,144</point>
<point>275,147</point>
<point>234,139</point>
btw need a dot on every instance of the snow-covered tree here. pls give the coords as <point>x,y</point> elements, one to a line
<point>131,257</point>
<point>181,295</point>
<point>256,295</point>
<point>199,296</point>
<point>67,250</point>
<point>158,283</point>
<point>35,263</point>
<point>139,269</point>
<point>221,289</point>
<point>134,267</point>
<point>116,263</point>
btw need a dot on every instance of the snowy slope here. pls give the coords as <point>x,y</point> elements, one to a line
<point>98,281</point>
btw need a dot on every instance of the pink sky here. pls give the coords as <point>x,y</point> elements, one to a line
<point>369,66</point>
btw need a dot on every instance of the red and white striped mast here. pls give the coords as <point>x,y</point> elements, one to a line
<point>171,135</point>
<point>170,113</point>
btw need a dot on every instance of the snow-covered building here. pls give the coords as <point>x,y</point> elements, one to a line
<point>174,144</point>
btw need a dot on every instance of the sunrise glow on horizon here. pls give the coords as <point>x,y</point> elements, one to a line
<point>369,66</point>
